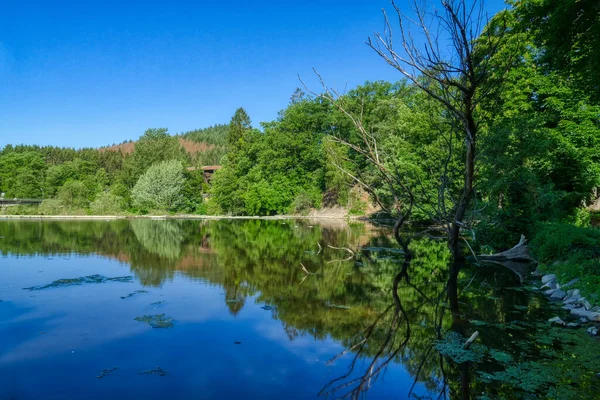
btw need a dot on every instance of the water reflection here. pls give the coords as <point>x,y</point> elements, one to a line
<point>339,282</point>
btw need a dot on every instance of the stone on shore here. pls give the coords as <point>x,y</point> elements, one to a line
<point>592,316</point>
<point>550,285</point>
<point>572,299</point>
<point>558,295</point>
<point>548,278</point>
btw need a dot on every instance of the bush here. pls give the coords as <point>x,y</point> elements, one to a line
<point>160,187</point>
<point>20,210</point>
<point>74,194</point>
<point>107,204</point>
<point>559,241</point>
<point>302,203</point>
<point>51,207</point>
<point>357,203</point>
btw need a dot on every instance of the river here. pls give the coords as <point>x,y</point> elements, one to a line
<point>292,309</point>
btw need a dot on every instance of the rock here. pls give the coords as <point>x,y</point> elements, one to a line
<point>556,321</point>
<point>568,306</point>
<point>587,305</point>
<point>592,331</point>
<point>583,320</point>
<point>576,292</point>
<point>558,295</point>
<point>549,285</point>
<point>549,292</point>
<point>573,325</point>
<point>572,299</point>
<point>548,278</point>
<point>580,312</point>
<point>595,309</point>
<point>571,282</point>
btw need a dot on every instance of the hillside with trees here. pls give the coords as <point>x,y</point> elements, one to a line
<point>496,138</point>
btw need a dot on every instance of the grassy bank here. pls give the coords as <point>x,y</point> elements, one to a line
<point>570,252</point>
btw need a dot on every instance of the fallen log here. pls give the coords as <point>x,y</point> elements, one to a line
<point>517,259</point>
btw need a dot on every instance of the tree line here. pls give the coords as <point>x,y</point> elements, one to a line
<point>494,140</point>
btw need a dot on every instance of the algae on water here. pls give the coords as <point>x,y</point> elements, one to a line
<point>134,293</point>
<point>106,372</point>
<point>156,371</point>
<point>80,281</point>
<point>156,321</point>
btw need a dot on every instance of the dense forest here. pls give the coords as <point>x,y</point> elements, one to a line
<point>531,92</point>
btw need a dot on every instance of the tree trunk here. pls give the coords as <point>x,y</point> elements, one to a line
<point>465,198</point>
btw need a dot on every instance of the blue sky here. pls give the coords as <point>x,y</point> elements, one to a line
<point>93,73</point>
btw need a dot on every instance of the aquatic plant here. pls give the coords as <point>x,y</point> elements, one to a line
<point>134,293</point>
<point>80,281</point>
<point>156,371</point>
<point>156,321</point>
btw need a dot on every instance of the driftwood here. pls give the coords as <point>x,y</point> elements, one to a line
<point>469,342</point>
<point>516,259</point>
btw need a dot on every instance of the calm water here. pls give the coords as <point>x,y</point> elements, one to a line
<point>240,309</point>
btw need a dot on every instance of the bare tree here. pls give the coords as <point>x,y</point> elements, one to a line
<point>368,148</point>
<point>438,51</point>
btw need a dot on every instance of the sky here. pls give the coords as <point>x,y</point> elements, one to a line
<point>94,73</point>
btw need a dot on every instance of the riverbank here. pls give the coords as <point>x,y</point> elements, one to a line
<point>570,264</point>
<point>180,216</point>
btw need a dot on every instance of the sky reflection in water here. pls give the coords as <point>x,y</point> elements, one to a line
<point>247,322</point>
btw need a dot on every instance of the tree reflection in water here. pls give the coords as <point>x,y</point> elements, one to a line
<point>382,308</point>
<point>387,340</point>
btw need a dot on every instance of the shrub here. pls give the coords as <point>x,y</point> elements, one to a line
<point>356,201</point>
<point>558,241</point>
<point>160,187</point>
<point>73,194</point>
<point>51,207</point>
<point>107,204</point>
<point>302,203</point>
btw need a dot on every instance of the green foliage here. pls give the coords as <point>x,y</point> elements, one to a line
<point>160,187</point>
<point>191,193</point>
<point>452,346</point>
<point>556,241</point>
<point>302,204</point>
<point>107,204</point>
<point>215,135</point>
<point>74,195</point>
<point>265,172</point>
<point>51,207</point>
<point>570,252</point>
<point>356,203</point>
<point>239,125</point>
<point>22,175</point>
<point>539,153</point>
<point>154,146</point>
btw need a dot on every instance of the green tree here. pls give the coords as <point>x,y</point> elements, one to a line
<point>107,204</point>
<point>74,195</point>
<point>240,124</point>
<point>160,187</point>
<point>22,174</point>
<point>154,146</point>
